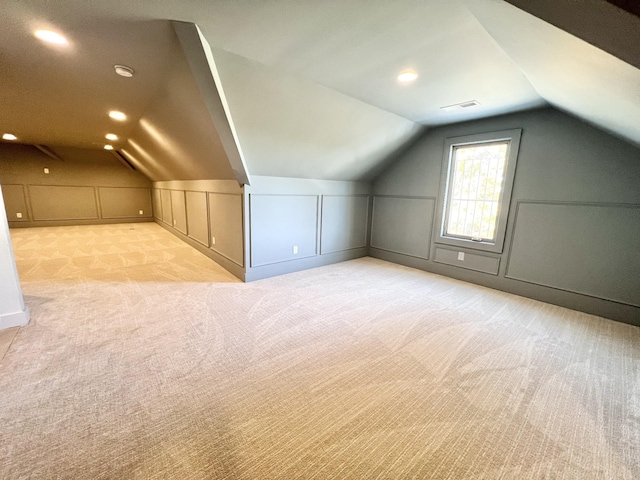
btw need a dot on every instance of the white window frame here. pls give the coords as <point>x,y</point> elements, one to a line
<point>511,136</point>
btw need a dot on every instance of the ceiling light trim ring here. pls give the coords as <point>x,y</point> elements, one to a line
<point>117,115</point>
<point>123,71</point>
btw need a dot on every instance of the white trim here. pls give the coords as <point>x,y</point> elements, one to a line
<point>17,319</point>
<point>513,136</point>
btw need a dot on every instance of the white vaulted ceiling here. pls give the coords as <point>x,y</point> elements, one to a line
<point>567,72</point>
<point>358,49</point>
<point>311,86</point>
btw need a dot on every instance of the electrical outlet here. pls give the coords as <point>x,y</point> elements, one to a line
<point>141,212</point>
<point>295,249</point>
<point>174,222</point>
<point>19,215</point>
<point>461,256</point>
<point>46,170</point>
<point>213,240</point>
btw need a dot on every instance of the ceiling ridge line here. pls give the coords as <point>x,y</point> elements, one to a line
<point>499,47</point>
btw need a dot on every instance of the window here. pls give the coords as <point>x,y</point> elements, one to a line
<point>478,173</point>
<point>476,178</point>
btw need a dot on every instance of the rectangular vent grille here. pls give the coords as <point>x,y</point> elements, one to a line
<point>472,103</point>
<point>459,106</point>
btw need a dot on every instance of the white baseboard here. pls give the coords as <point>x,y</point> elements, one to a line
<point>18,319</point>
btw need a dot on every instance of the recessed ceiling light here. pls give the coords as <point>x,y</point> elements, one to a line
<point>407,76</point>
<point>108,147</point>
<point>51,37</point>
<point>123,71</point>
<point>9,136</point>
<point>111,136</point>
<point>117,115</point>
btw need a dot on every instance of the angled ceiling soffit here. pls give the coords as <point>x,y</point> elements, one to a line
<point>200,58</point>
<point>569,73</point>
<point>292,127</point>
<point>613,26</point>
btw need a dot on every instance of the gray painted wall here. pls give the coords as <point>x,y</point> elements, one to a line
<point>165,202</point>
<point>53,202</point>
<point>12,310</point>
<point>226,212</point>
<point>283,227</point>
<point>602,239</point>
<point>156,199</point>
<point>124,202</point>
<point>574,225</point>
<point>251,230</point>
<point>344,222</point>
<point>83,187</point>
<point>179,211</point>
<point>198,210</point>
<point>326,220</point>
<point>416,238</point>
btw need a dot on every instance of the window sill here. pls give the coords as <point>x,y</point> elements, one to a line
<point>470,244</point>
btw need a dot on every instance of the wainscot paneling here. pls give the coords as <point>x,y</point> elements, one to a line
<point>124,202</point>
<point>71,203</point>
<point>470,260</point>
<point>402,224</point>
<point>592,249</point>
<point>197,218</point>
<point>15,203</point>
<point>156,198</point>
<point>283,228</point>
<point>179,211</point>
<point>167,216</point>
<point>226,220</point>
<point>344,222</point>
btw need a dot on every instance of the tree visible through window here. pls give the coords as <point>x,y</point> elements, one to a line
<point>477,178</point>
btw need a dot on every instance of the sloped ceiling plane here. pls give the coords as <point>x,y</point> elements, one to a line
<point>304,89</point>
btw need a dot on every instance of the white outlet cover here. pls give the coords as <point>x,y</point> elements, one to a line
<point>46,170</point>
<point>19,215</point>
<point>295,249</point>
<point>461,256</point>
<point>141,212</point>
<point>213,240</point>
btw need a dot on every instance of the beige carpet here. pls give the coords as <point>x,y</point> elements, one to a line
<point>144,359</point>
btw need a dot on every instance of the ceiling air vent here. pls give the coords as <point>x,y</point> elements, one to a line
<point>123,160</point>
<point>472,103</point>
<point>459,106</point>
